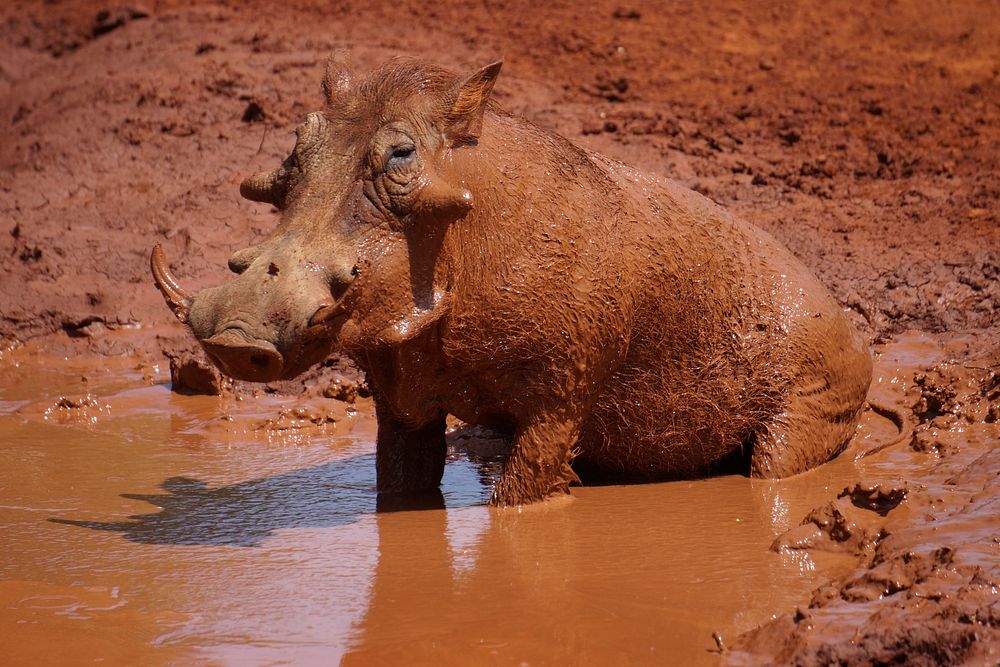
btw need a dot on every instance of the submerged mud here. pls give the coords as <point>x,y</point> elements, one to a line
<point>203,520</point>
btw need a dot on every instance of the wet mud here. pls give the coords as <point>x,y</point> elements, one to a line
<point>923,526</point>
<point>155,512</point>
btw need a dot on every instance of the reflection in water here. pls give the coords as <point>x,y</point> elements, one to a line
<point>620,574</point>
<point>781,521</point>
<point>465,529</point>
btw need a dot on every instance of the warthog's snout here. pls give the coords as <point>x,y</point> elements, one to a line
<point>242,356</point>
<point>262,326</point>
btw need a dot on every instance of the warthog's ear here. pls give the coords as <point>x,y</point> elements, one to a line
<point>338,76</point>
<point>260,187</point>
<point>467,101</point>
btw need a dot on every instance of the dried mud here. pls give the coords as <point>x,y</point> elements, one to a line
<point>865,138</point>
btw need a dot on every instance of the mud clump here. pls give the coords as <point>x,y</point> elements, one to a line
<point>875,497</point>
<point>926,604</point>
<point>298,418</point>
<point>850,523</point>
<point>345,390</point>
<point>192,373</point>
<point>926,590</point>
<point>114,18</point>
<point>335,378</point>
<point>952,392</point>
<point>954,397</point>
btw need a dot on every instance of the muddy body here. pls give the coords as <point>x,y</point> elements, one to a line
<point>473,264</point>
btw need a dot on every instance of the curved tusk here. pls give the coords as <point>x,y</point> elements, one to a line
<point>326,313</point>
<point>178,298</point>
<point>259,187</point>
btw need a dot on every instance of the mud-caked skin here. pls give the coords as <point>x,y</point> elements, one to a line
<point>476,265</point>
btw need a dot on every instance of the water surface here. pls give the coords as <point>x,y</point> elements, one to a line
<point>144,527</point>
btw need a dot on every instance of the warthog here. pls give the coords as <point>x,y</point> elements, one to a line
<point>609,321</point>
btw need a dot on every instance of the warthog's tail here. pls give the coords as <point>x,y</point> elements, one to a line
<point>899,416</point>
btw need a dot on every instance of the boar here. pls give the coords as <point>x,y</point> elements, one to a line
<point>608,321</point>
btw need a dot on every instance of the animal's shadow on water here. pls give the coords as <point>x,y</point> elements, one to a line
<point>324,496</point>
<point>243,514</point>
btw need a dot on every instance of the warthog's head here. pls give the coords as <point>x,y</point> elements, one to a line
<point>365,197</point>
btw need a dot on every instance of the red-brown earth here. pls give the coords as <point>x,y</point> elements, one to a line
<point>866,138</point>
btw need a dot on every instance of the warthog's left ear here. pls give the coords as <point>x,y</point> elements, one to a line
<point>467,101</point>
<point>338,77</point>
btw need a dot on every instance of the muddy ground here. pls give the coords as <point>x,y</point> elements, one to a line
<point>865,138</point>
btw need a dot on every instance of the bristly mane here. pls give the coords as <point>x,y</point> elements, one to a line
<point>391,85</point>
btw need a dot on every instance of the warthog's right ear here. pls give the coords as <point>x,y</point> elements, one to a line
<point>260,187</point>
<point>467,101</point>
<point>338,76</point>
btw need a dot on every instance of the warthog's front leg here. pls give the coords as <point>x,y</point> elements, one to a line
<point>408,460</point>
<point>539,462</point>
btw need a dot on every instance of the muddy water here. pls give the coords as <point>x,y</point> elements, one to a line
<point>139,526</point>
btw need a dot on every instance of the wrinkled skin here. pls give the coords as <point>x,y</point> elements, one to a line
<point>473,264</point>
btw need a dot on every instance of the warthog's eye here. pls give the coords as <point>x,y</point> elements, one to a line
<point>400,156</point>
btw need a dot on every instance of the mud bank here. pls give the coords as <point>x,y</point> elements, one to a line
<point>865,138</point>
<point>927,537</point>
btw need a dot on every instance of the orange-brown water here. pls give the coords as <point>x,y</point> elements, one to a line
<point>140,526</point>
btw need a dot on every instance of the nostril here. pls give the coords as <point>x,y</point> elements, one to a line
<point>243,356</point>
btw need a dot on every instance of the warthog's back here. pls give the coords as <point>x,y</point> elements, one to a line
<point>729,331</point>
